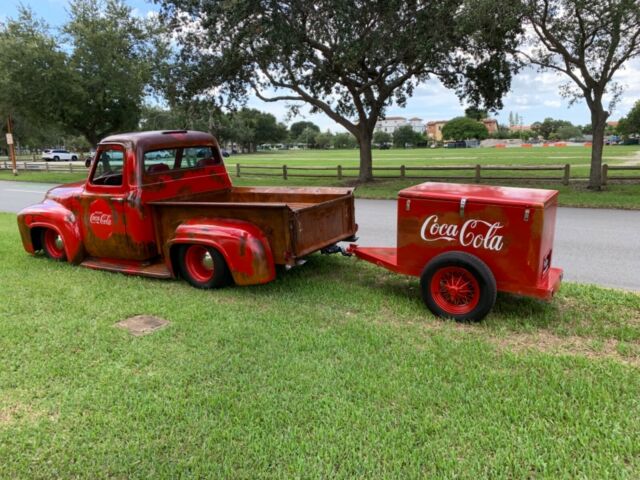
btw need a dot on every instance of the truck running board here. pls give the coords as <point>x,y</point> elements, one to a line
<point>154,270</point>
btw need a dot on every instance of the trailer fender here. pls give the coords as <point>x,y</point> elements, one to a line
<point>53,215</point>
<point>243,245</point>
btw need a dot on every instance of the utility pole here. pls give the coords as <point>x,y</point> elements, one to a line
<point>12,150</point>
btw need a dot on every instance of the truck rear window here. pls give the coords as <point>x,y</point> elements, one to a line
<point>167,160</point>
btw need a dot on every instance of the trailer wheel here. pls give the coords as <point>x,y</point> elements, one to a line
<point>203,267</point>
<point>52,244</point>
<point>458,285</point>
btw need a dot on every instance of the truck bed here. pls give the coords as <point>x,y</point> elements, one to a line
<point>297,221</point>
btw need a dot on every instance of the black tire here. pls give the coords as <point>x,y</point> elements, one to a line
<point>74,158</point>
<point>56,159</point>
<point>200,276</point>
<point>471,279</point>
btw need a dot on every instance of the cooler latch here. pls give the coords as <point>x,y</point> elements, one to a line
<point>527,212</point>
<point>463,203</point>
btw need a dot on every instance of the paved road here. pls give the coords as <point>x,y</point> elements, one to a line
<point>592,245</point>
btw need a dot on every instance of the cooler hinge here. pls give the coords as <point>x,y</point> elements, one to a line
<point>463,203</point>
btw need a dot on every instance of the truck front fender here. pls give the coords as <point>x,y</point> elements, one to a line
<point>51,214</point>
<point>243,245</point>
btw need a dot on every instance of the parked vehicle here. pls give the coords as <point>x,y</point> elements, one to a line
<point>466,242</point>
<point>161,204</point>
<point>57,155</point>
<point>457,144</point>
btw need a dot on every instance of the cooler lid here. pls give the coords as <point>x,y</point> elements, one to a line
<point>525,197</point>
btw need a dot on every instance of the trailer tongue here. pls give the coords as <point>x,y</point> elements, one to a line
<point>466,242</point>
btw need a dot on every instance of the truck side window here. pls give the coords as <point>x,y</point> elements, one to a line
<point>109,166</point>
<point>158,161</point>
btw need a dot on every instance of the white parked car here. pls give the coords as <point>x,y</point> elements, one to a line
<point>59,155</point>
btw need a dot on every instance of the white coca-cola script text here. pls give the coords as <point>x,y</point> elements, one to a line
<point>100,218</point>
<point>473,233</point>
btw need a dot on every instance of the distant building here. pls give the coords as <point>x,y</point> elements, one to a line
<point>519,128</point>
<point>391,124</point>
<point>491,124</point>
<point>434,129</point>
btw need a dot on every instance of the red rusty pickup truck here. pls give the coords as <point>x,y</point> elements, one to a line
<point>161,204</point>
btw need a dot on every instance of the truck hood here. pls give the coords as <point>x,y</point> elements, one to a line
<point>64,192</point>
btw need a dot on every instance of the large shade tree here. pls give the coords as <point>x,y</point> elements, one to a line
<point>588,41</point>
<point>350,60</point>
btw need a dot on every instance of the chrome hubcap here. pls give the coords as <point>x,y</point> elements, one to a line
<point>58,242</point>
<point>207,261</point>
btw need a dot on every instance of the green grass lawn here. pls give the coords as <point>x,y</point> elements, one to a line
<point>334,370</point>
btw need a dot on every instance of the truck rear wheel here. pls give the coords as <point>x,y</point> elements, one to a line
<point>52,244</point>
<point>458,285</point>
<point>203,267</point>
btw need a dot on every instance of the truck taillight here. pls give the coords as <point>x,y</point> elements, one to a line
<point>546,263</point>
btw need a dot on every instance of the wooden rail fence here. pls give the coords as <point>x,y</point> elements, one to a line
<point>475,173</point>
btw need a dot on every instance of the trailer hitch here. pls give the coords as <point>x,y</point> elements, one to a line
<point>335,248</point>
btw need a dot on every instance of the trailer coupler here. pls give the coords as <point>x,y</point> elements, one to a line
<point>335,248</point>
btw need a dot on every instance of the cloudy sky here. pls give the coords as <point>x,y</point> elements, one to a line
<point>533,96</point>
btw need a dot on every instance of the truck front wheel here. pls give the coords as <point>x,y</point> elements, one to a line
<point>203,267</point>
<point>52,244</point>
<point>458,285</point>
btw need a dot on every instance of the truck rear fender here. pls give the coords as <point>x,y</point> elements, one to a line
<point>243,245</point>
<point>53,215</point>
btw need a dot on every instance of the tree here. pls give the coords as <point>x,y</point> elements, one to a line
<point>344,140</point>
<point>109,68</point>
<point>548,127</point>
<point>406,136</point>
<point>630,124</point>
<point>588,41</point>
<point>380,137</point>
<point>297,128</point>
<point>568,132</point>
<point>349,60</point>
<point>33,78</point>
<point>476,113</point>
<point>324,140</point>
<point>463,128</point>
<point>308,137</point>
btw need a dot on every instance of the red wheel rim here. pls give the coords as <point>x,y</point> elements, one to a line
<point>199,263</point>
<point>455,290</point>
<point>53,244</point>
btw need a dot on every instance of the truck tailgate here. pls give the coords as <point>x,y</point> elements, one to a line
<point>323,224</point>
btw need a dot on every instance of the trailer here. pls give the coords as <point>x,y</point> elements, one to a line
<point>467,242</point>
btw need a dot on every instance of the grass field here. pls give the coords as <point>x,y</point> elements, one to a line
<point>335,370</point>
<point>614,196</point>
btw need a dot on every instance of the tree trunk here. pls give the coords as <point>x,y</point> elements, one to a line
<point>366,162</point>
<point>599,122</point>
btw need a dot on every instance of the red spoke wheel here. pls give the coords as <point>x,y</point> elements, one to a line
<point>52,244</point>
<point>203,267</point>
<point>458,285</point>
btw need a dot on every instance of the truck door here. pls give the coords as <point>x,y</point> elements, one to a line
<point>102,205</point>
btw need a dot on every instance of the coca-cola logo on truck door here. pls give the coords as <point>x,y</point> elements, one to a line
<point>473,233</point>
<point>101,219</point>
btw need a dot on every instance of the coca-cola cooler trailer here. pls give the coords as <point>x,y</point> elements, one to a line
<point>466,242</point>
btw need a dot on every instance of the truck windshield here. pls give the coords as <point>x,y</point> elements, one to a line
<point>108,170</point>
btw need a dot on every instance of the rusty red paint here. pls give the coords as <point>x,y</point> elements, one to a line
<point>130,226</point>
<point>511,230</point>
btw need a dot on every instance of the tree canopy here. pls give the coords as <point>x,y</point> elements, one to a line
<point>464,128</point>
<point>405,136</point>
<point>630,124</point>
<point>350,60</point>
<point>588,41</point>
